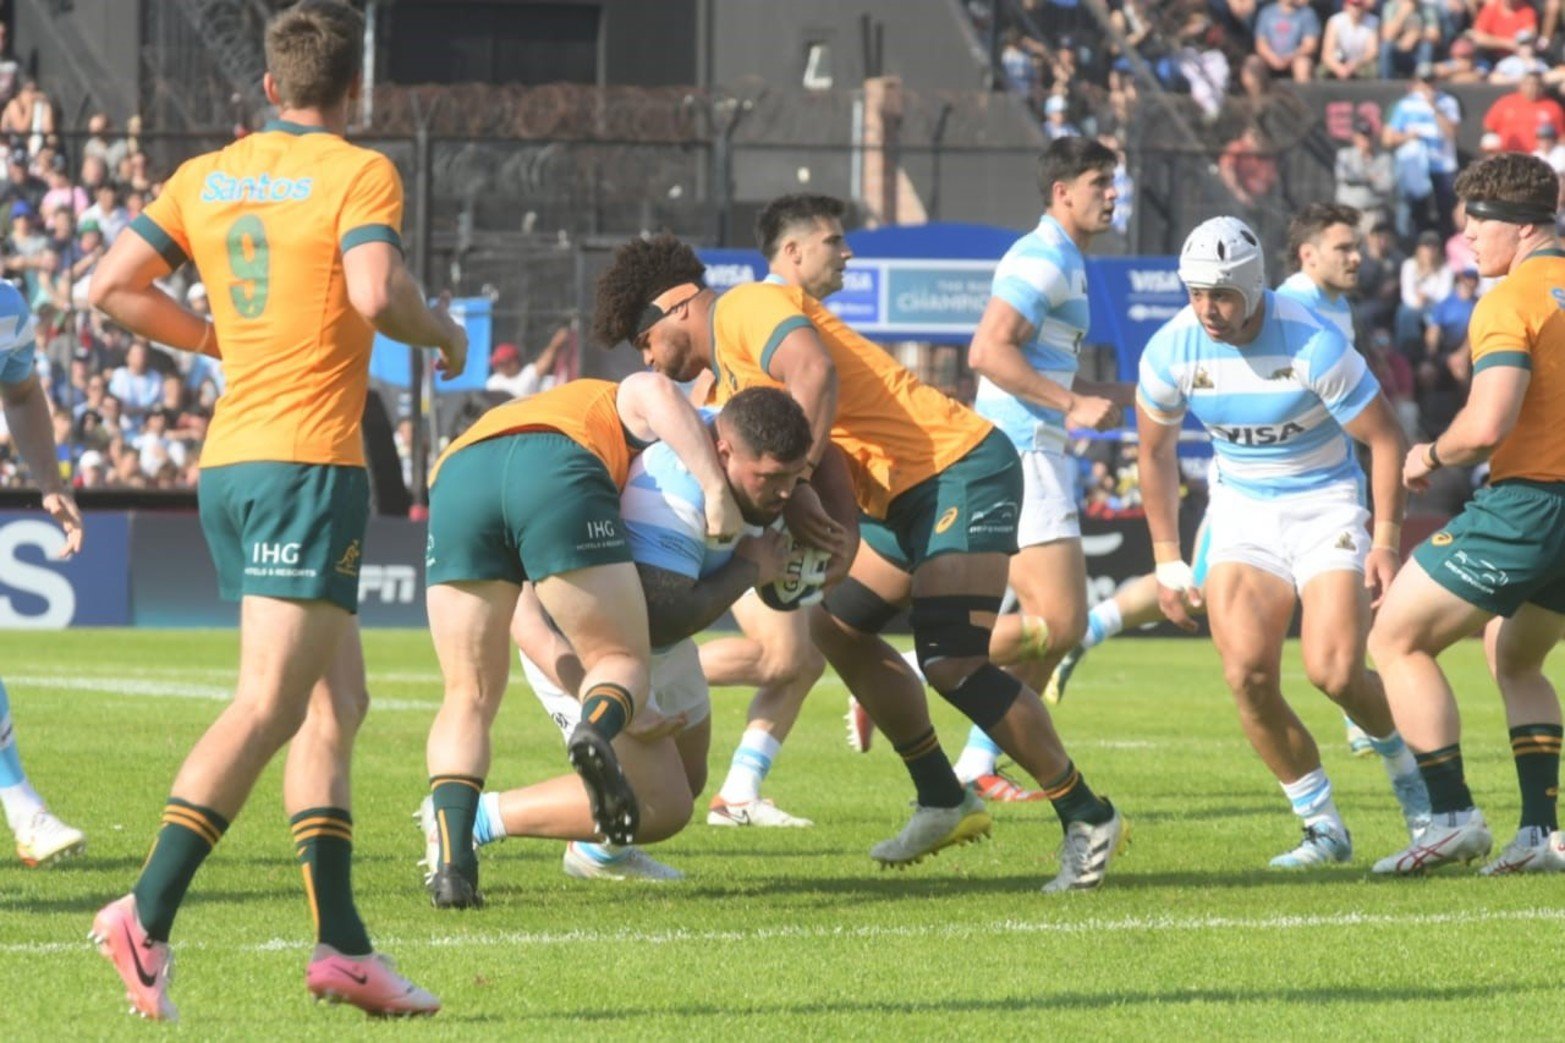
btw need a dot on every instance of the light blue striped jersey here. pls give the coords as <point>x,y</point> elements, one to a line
<point>1339,312</point>
<point>665,514</point>
<point>1274,407</point>
<point>1044,277</point>
<point>18,340</point>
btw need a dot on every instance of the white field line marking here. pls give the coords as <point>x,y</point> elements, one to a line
<point>153,688</point>
<point>1126,925</point>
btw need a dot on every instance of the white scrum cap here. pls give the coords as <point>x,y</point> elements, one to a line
<point>1223,253</point>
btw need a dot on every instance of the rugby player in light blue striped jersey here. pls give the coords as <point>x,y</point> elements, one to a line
<point>1283,395</point>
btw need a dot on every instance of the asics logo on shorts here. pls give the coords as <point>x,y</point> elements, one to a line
<point>1441,539</point>
<point>947,519</point>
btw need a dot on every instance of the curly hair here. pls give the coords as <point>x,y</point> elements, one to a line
<point>769,422</point>
<point>641,269</point>
<point>1510,177</point>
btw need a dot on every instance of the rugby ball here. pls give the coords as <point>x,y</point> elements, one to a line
<point>802,582</point>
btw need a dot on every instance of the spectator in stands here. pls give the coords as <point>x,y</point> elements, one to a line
<point>1516,116</point>
<point>136,384</point>
<point>1124,186</point>
<point>1408,35</point>
<point>1426,281</point>
<point>63,192</point>
<point>27,259</point>
<point>1421,132</point>
<point>509,375</point>
<point>10,68</point>
<point>28,116</point>
<point>92,471</point>
<point>1522,62</point>
<point>92,399</point>
<point>76,276</point>
<point>1247,166</point>
<point>1396,378</point>
<point>1549,148</point>
<point>1445,326</point>
<point>112,414</point>
<point>1459,254</point>
<point>1380,278</point>
<point>1056,118</point>
<point>1287,34</point>
<point>1500,23</point>
<point>72,391</point>
<point>107,213</point>
<point>1237,20</point>
<point>1365,177</point>
<point>155,446</point>
<point>21,184</point>
<point>1462,67</point>
<point>1202,64</point>
<point>1351,47</point>
<point>1020,58</point>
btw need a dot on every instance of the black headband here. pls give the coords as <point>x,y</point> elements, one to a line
<point>650,316</point>
<point>1513,213</point>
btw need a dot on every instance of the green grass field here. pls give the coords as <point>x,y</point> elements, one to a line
<point>785,934</point>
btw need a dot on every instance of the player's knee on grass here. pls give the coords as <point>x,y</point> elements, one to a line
<point>658,776</point>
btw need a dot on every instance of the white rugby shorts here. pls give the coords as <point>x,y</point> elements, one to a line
<point>1293,537</point>
<point>1049,508</point>
<point>678,686</point>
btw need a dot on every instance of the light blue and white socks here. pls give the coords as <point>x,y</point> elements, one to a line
<point>979,756</point>
<point>488,826</point>
<point>1395,757</point>
<point>20,800</point>
<point>752,761</point>
<point>1312,801</point>
<point>1103,622</point>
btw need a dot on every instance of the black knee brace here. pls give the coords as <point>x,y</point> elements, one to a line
<point>853,603</point>
<point>944,627</point>
<point>985,695</point>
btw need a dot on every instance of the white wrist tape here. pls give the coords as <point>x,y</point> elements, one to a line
<point>1175,575</point>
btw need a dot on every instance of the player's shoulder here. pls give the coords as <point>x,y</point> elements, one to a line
<point>16,319</point>
<point>659,469</point>
<point>1179,336</point>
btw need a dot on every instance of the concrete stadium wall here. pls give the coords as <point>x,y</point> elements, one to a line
<point>88,53</point>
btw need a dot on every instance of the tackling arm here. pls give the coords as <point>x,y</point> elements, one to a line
<point>1377,427</point>
<point>653,410</point>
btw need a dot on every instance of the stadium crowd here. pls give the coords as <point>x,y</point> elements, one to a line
<point>1417,283</point>
<point>137,414</point>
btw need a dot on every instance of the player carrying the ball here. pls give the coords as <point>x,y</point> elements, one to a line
<point>939,490</point>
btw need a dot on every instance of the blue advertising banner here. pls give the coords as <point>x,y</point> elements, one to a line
<point>389,358</point>
<point>933,286</point>
<point>1130,298</point>
<point>173,583</point>
<point>39,591</point>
